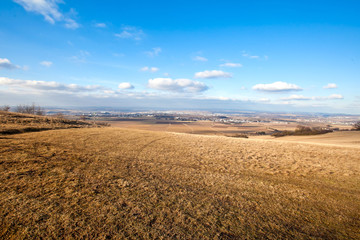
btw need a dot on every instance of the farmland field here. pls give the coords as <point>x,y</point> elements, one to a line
<point>201,127</point>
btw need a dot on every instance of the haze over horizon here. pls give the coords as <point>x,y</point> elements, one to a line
<point>294,56</point>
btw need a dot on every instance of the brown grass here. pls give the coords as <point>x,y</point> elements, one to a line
<point>15,123</point>
<point>117,183</point>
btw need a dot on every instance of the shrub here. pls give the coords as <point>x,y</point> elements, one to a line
<point>239,136</point>
<point>302,131</point>
<point>357,126</point>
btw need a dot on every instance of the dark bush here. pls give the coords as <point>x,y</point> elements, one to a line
<point>302,131</point>
<point>357,126</point>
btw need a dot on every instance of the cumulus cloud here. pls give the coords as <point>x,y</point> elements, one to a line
<point>100,25</point>
<point>126,85</point>
<point>149,69</point>
<point>6,64</point>
<point>46,63</point>
<point>234,65</point>
<point>199,58</point>
<point>301,97</point>
<point>330,86</point>
<point>277,87</point>
<point>154,52</point>
<point>177,85</point>
<point>49,9</point>
<point>48,86</point>
<point>130,32</point>
<point>212,74</point>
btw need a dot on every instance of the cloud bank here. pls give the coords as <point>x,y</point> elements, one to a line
<point>48,86</point>
<point>177,85</point>
<point>303,98</point>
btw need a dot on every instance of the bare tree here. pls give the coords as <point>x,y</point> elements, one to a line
<point>29,109</point>
<point>5,108</point>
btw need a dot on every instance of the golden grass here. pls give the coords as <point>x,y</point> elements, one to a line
<point>202,127</point>
<point>117,183</point>
<point>15,123</point>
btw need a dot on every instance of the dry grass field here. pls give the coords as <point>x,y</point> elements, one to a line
<point>15,123</point>
<point>202,127</point>
<point>113,183</point>
<point>341,139</point>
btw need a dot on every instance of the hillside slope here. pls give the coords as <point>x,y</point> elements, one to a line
<point>15,123</point>
<point>118,183</point>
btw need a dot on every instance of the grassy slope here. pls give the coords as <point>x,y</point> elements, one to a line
<point>111,182</point>
<point>343,138</point>
<point>15,123</point>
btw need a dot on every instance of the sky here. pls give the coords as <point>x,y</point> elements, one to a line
<point>281,56</point>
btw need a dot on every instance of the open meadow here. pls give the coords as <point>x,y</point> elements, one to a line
<point>200,127</point>
<point>111,183</point>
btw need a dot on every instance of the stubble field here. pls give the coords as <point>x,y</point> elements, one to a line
<point>125,183</point>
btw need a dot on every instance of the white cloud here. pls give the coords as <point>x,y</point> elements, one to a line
<point>5,63</point>
<point>149,69</point>
<point>130,32</point>
<point>71,24</point>
<point>100,25</point>
<point>263,100</point>
<point>212,74</point>
<point>234,65</point>
<point>330,86</point>
<point>199,58</point>
<point>154,52</point>
<point>126,85</point>
<point>301,97</point>
<point>336,96</point>
<point>46,63</point>
<point>177,85</point>
<point>277,87</point>
<point>296,97</point>
<point>49,9</point>
<point>48,86</point>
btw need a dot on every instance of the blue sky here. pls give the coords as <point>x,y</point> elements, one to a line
<point>239,55</point>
